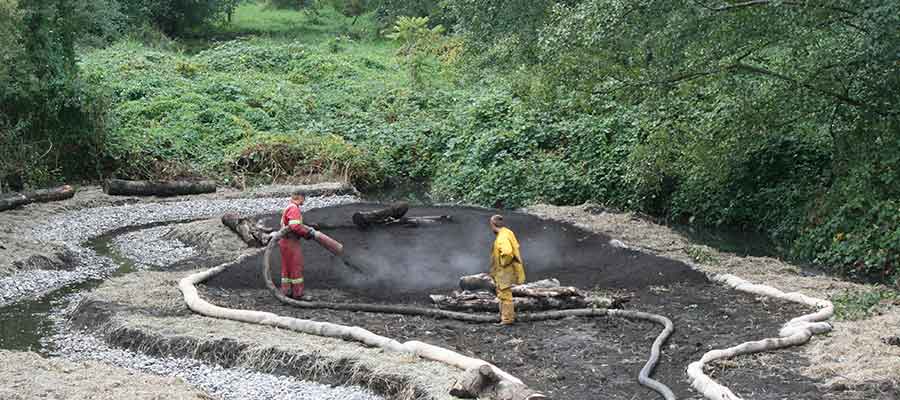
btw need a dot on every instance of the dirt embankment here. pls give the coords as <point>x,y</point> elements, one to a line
<point>852,356</point>
<point>144,312</point>
<point>30,376</point>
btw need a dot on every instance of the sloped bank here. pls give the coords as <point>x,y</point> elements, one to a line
<point>143,312</point>
<point>62,379</point>
<point>851,362</point>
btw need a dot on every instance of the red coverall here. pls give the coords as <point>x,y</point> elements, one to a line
<point>291,254</point>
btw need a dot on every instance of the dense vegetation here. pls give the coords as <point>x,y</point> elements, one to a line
<point>776,116</point>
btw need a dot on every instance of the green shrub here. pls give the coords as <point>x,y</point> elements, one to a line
<point>51,125</point>
<point>861,304</point>
<point>860,239</point>
<point>301,155</point>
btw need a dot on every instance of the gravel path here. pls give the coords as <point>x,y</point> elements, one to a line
<point>153,249</point>
<point>220,383</point>
<point>56,378</point>
<point>150,248</point>
<point>71,230</point>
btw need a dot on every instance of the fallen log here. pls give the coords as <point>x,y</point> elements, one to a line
<point>483,383</point>
<point>37,196</point>
<point>487,302</point>
<point>15,200</point>
<point>120,187</point>
<point>477,294</point>
<point>364,219</point>
<point>254,234</point>
<point>409,222</point>
<point>480,281</point>
<point>416,221</point>
<point>541,288</point>
<point>540,292</point>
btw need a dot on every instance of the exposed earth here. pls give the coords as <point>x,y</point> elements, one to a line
<point>571,358</point>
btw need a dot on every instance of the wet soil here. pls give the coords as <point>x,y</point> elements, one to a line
<point>404,262</point>
<point>567,359</point>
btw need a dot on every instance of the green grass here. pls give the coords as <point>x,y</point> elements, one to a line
<point>856,305</point>
<point>257,19</point>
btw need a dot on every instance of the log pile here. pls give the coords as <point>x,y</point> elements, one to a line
<point>477,294</point>
<point>38,196</point>
<point>120,187</point>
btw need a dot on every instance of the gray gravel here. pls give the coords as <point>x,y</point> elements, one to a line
<point>72,229</point>
<point>220,383</point>
<point>149,248</point>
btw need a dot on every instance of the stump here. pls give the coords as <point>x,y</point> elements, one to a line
<point>37,196</point>
<point>120,187</point>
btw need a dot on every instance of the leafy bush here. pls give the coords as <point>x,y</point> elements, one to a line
<point>276,157</point>
<point>50,124</point>
<point>176,17</point>
<point>785,123</point>
<point>387,12</point>
<point>860,239</point>
<point>856,305</point>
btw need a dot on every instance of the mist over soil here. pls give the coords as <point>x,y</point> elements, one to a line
<point>574,358</point>
<point>410,262</point>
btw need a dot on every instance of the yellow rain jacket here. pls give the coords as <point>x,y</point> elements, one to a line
<point>507,267</point>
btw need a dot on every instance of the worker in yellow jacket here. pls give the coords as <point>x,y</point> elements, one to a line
<point>507,268</point>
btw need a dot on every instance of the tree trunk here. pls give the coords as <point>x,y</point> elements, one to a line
<point>409,222</point>
<point>487,302</point>
<point>364,219</point>
<point>14,200</point>
<point>120,187</point>
<point>38,196</point>
<point>477,294</point>
<point>254,235</point>
<point>480,281</point>
<point>482,382</point>
<point>542,288</point>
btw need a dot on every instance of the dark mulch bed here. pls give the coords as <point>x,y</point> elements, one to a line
<point>567,359</point>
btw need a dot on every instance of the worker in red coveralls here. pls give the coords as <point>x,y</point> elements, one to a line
<point>291,254</point>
